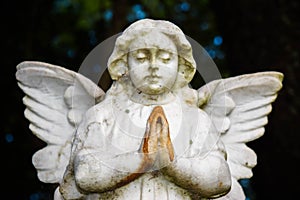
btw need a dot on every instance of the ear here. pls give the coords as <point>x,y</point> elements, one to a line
<point>118,68</point>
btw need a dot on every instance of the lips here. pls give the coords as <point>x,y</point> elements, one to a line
<point>152,78</point>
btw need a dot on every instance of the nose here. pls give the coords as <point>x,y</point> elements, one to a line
<point>153,64</point>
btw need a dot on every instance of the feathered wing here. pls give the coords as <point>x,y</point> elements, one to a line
<point>55,99</point>
<point>239,107</point>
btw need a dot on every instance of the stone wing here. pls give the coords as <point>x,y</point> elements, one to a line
<point>239,107</point>
<point>55,100</point>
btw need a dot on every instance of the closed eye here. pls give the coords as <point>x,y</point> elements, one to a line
<point>165,56</point>
<point>141,56</point>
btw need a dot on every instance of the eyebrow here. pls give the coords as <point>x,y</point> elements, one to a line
<point>159,49</point>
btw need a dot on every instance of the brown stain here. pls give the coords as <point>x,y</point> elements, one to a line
<point>220,184</point>
<point>146,164</point>
<point>190,102</point>
<point>157,117</point>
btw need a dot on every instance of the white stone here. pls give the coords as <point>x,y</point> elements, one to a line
<point>150,136</point>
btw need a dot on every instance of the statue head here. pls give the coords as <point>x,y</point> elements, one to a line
<point>155,54</point>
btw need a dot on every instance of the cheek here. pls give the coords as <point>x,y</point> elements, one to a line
<point>136,69</point>
<point>168,78</point>
<point>169,71</point>
<point>137,75</point>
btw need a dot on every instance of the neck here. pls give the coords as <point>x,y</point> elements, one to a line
<point>150,99</point>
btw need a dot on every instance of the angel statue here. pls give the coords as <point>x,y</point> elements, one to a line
<point>151,135</point>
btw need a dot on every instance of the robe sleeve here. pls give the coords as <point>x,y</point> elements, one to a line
<point>202,169</point>
<point>97,166</point>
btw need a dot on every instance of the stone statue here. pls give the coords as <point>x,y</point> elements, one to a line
<point>150,136</point>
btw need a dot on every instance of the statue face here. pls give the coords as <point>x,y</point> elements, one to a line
<point>153,63</point>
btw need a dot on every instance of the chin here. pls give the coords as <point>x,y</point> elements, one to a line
<point>152,90</point>
<point>156,89</point>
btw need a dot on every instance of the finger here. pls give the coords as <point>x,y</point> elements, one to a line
<point>165,137</point>
<point>149,144</point>
<point>162,128</point>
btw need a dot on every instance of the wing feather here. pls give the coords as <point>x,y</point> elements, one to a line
<point>55,100</point>
<point>246,136</point>
<point>241,164</point>
<point>243,103</point>
<point>44,96</point>
<point>53,171</point>
<point>239,116</point>
<point>45,136</point>
<point>38,108</point>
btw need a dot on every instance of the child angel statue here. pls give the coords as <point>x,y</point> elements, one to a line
<point>150,136</point>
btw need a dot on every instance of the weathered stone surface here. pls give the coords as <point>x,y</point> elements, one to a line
<point>150,136</point>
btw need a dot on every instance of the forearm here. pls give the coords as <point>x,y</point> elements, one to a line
<point>208,177</point>
<point>97,172</point>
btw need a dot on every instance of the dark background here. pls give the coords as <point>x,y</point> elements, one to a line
<point>242,36</point>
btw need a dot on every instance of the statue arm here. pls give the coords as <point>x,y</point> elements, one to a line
<point>200,164</point>
<point>207,176</point>
<point>97,172</point>
<point>96,166</point>
<point>99,166</point>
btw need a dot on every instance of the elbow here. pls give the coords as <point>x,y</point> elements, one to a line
<point>95,178</point>
<point>92,181</point>
<point>217,189</point>
<point>217,183</point>
<point>89,177</point>
<point>84,179</point>
<point>209,177</point>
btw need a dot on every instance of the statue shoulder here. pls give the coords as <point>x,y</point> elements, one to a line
<point>189,96</point>
<point>98,113</point>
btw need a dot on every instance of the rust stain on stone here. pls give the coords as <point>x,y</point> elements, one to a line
<point>157,131</point>
<point>158,119</point>
<point>220,184</point>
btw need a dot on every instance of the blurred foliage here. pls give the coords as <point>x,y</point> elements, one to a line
<point>242,36</point>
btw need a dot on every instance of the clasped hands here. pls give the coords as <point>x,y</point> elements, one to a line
<point>156,144</point>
